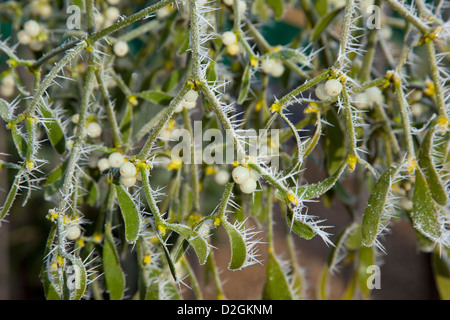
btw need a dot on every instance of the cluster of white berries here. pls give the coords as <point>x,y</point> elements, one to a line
<point>128,172</point>
<point>331,88</point>
<point>230,41</point>
<point>121,48</point>
<point>32,35</point>
<point>7,86</point>
<point>273,67</point>
<point>42,8</point>
<point>188,102</point>
<point>366,99</point>
<point>246,178</point>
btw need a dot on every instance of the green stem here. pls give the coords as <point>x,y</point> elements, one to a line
<point>193,165</point>
<point>439,93</point>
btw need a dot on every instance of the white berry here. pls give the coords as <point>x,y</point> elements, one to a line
<point>6,91</point>
<point>277,69</point>
<point>255,175</point>
<point>73,233</point>
<point>32,28</point>
<point>361,101</point>
<point>128,182</point>
<point>128,170</point>
<point>228,38</point>
<point>321,93</point>
<point>116,159</point>
<point>23,37</point>
<point>113,2</point>
<point>189,105</point>
<point>191,96</point>
<point>233,49</point>
<point>228,2</point>
<point>93,130</point>
<point>249,186</point>
<point>267,66</point>
<point>121,48</point>
<point>103,164</point>
<point>333,87</point>
<point>111,14</point>
<point>8,81</point>
<point>240,174</point>
<point>375,95</point>
<point>222,177</point>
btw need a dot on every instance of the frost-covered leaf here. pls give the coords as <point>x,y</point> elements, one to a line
<point>245,84</point>
<point>55,132</point>
<point>425,215</point>
<point>130,214</point>
<point>197,242</point>
<point>156,97</point>
<point>376,214</point>
<point>238,247</point>
<point>429,170</point>
<point>115,279</point>
<point>276,286</point>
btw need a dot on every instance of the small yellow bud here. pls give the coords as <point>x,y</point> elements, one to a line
<point>210,170</point>
<point>293,199</point>
<point>60,260</point>
<point>175,164</point>
<point>352,160</point>
<point>254,62</point>
<point>276,107</point>
<point>312,108</point>
<point>133,100</point>
<point>162,229</point>
<point>442,123</point>
<point>216,222</point>
<point>430,90</point>
<point>411,165</point>
<point>147,259</point>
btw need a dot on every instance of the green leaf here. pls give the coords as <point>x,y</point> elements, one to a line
<point>80,277</point>
<point>320,27</point>
<point>316,190</point>
<point>429,170</point>
<point>302,229</point>
<point>441,268</point>
<point>197,242</point>
<point>156,97</point>
<point>277,6</point>
<point>335,142</point>
<point>366,259</point>
<point>130,214</point>
<point>19,141</point>
<point>173,79</point>
<point>336,252</point>
<point>425,213</point>
<point>115,279</point>
<point>245,84</point>
<point>55,174</point>
<point>126,122</point>
<point>237,246</point>
<point>54,130</point>
<point>321,6</point>
<point>373,219</point>
<point>4,110</point>
<point>289,54</point>
<point>276,286</point>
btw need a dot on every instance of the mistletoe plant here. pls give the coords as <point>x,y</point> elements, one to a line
<point>97,94</point>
